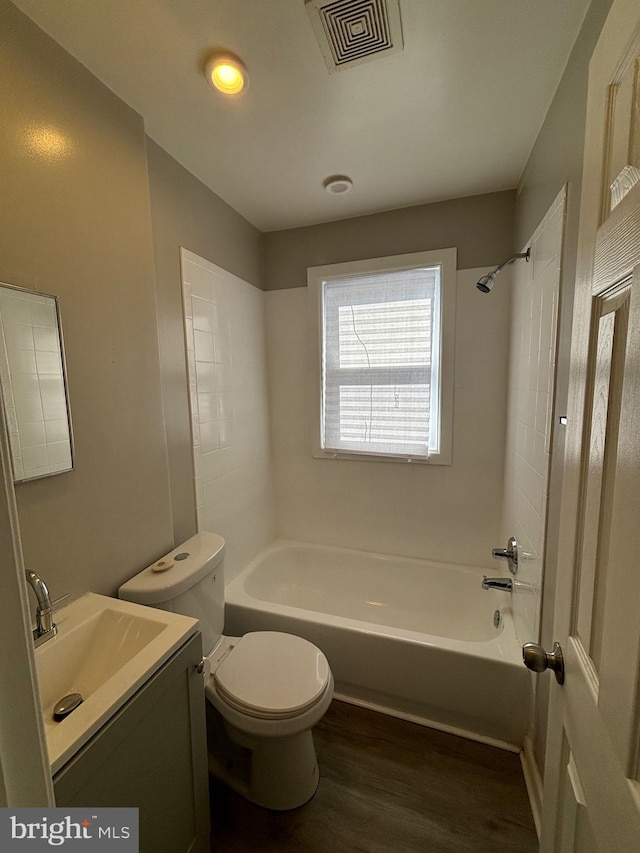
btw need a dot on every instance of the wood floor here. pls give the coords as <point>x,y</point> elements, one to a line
<point>388,786</point>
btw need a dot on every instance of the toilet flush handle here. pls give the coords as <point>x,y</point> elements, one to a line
<point>204,669</point>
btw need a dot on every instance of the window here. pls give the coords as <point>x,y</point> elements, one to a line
<point>384,349</point>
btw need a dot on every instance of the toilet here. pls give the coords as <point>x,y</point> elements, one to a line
<point>265,690</point>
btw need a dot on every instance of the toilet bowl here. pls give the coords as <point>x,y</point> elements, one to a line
<point>269,689</point>
<point>265,691</point>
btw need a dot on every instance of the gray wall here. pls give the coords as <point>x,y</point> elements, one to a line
<point>185,213</point>
<point>556,159</point>
<point>74,221</point>
<point>480,226</point>
<point>79,202</point>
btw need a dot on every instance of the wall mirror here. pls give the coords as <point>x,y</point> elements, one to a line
<point>34,384</point>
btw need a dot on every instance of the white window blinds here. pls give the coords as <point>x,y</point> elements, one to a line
<point>381,346</point>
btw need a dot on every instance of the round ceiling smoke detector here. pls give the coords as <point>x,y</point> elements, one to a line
<point>337,184</point>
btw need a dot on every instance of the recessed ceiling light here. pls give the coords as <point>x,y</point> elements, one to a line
<point>227,73</point>
<point>337,184</point>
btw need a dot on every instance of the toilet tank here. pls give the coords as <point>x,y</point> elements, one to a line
<point>188,580</point>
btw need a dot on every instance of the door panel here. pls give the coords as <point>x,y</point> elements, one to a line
<point>592,795</point>
<point>575,831</point>
<point>621,623</point>
<point>623,155</point>
<point>607,353</point>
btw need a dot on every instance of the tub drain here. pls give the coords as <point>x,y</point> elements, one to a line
<point>66,705</point>
<point>497,619</point>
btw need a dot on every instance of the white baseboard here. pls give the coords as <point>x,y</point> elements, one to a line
<point>533,781</point>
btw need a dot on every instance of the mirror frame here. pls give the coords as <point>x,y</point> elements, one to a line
<point>65,381</point>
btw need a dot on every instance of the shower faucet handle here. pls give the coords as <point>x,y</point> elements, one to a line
<point>510,554</point>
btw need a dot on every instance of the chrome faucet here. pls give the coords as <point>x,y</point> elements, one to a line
<point>45,626</point>
<point>505,584</point>
<point>510,554</point>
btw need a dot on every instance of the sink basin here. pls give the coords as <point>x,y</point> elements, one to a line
<point>105,650</point>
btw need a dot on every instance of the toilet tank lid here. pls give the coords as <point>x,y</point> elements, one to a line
<point>204,552</point>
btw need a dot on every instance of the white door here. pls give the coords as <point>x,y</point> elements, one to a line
<point>592,768</point>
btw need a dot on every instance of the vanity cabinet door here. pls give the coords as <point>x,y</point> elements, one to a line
<point>151,755</point>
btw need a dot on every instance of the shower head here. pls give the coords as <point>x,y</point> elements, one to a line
<point>485,284</point>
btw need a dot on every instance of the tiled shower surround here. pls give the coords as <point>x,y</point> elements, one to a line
<point>449,513</point>
<point>227,361</point>
<point>534,309</point>
<point>243,419</point>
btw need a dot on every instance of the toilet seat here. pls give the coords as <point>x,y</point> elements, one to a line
<point>272,676</point>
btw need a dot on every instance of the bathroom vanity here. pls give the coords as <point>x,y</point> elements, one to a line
<point>151,754</point>
<point>139,738</point>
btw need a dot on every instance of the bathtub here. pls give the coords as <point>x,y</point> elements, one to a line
<point>410,638</point>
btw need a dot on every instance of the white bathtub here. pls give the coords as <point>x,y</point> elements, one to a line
<point>408,637</point>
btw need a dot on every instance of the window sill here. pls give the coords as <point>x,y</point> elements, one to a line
<point>432,459</point>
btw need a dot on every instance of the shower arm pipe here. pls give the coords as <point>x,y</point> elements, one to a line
<point>490,276</point>
<point>513,258</point>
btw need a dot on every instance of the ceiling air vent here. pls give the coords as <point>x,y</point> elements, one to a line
<point>353,31</point>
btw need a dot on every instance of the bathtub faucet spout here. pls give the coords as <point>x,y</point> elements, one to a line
<point>505,584</point>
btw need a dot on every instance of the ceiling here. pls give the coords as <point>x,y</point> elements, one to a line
<point>456,113</point>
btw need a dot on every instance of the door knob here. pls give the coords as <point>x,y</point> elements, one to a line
<point>537,659</point>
